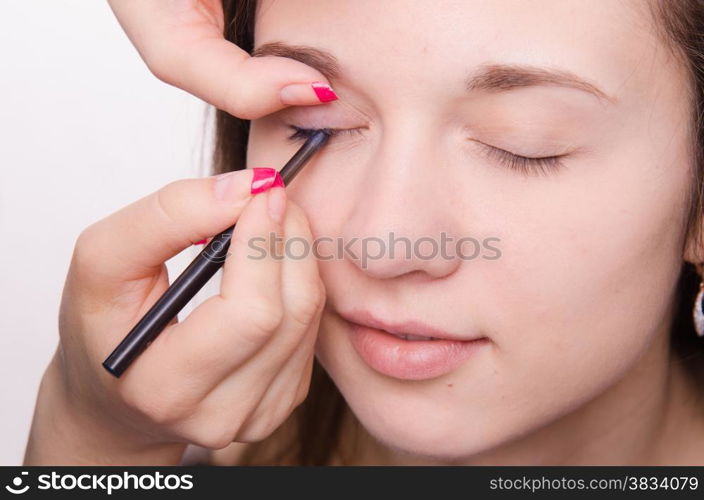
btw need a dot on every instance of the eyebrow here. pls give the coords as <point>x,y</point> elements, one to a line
<point>488,77</point>
<point>319,59</point>
<point>498,77</point>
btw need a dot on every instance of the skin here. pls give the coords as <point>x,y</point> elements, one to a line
<point>577,308</point>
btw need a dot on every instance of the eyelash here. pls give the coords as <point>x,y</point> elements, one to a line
<point>301,134</point>
<point>522,164</point>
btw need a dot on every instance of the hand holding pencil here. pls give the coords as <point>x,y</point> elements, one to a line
<point>234,369</point>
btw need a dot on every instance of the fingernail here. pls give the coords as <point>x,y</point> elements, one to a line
<point>324,92</point>
<point>299,93</point>
<point>265,178</point>
<point>201,242</point>
<point>222,185</point>
<point>277,204</point>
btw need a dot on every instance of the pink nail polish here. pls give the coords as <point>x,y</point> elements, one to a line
<point>201,242</point>
<point>324,92</point>
<point>264,179</point>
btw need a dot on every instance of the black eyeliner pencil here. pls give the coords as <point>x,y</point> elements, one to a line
<point>195,276</point>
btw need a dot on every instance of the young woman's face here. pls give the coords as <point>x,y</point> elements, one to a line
<point>576,256</point>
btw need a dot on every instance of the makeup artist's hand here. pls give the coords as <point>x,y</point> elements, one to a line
<point>232,370</point>
<point>182,43</point>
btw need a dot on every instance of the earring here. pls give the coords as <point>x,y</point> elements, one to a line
<point>698,312</point>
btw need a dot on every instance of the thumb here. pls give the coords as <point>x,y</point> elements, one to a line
<point>225,76</point>
<point>134,242</point>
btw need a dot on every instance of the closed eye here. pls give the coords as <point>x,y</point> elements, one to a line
<point>523,164</point>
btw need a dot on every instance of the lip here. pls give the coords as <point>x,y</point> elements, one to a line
<point>412,327</point>
<point>375,342</point>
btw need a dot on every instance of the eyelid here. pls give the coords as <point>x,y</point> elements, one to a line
<point>354,110</point>
<point>533,157</point>
<point>339,113</point>
<point>321,121</point>
<point>526,165</point>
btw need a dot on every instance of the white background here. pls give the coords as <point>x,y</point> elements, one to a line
<point>84,130</point>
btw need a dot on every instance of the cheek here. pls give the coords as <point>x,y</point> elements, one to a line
<point>588,270</point>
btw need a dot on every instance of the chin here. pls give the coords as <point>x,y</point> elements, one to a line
<point>441,429</point>
<point>432,421</point>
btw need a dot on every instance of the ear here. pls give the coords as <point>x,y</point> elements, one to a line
<point>694,246</point>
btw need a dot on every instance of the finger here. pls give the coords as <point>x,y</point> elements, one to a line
<point>252,272</point>
<point>225,76</point>
<point>184,46</point>
<point>226,330</point>
<point>229,410</point>
<point>290,348</point>
<point>303,293</point>
<point>303,296</point>
<point>253,399</point>
<point>134,242</point>
<point>298,290</point>
<point>286,391</point>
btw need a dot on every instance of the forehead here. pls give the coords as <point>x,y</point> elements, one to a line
<point>421,43</point>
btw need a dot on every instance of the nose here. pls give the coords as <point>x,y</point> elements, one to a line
<point>403,221</point>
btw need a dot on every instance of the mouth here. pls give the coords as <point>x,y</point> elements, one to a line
<point>410,350</point>
<point>412,330</point>
<point>408,336</point>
